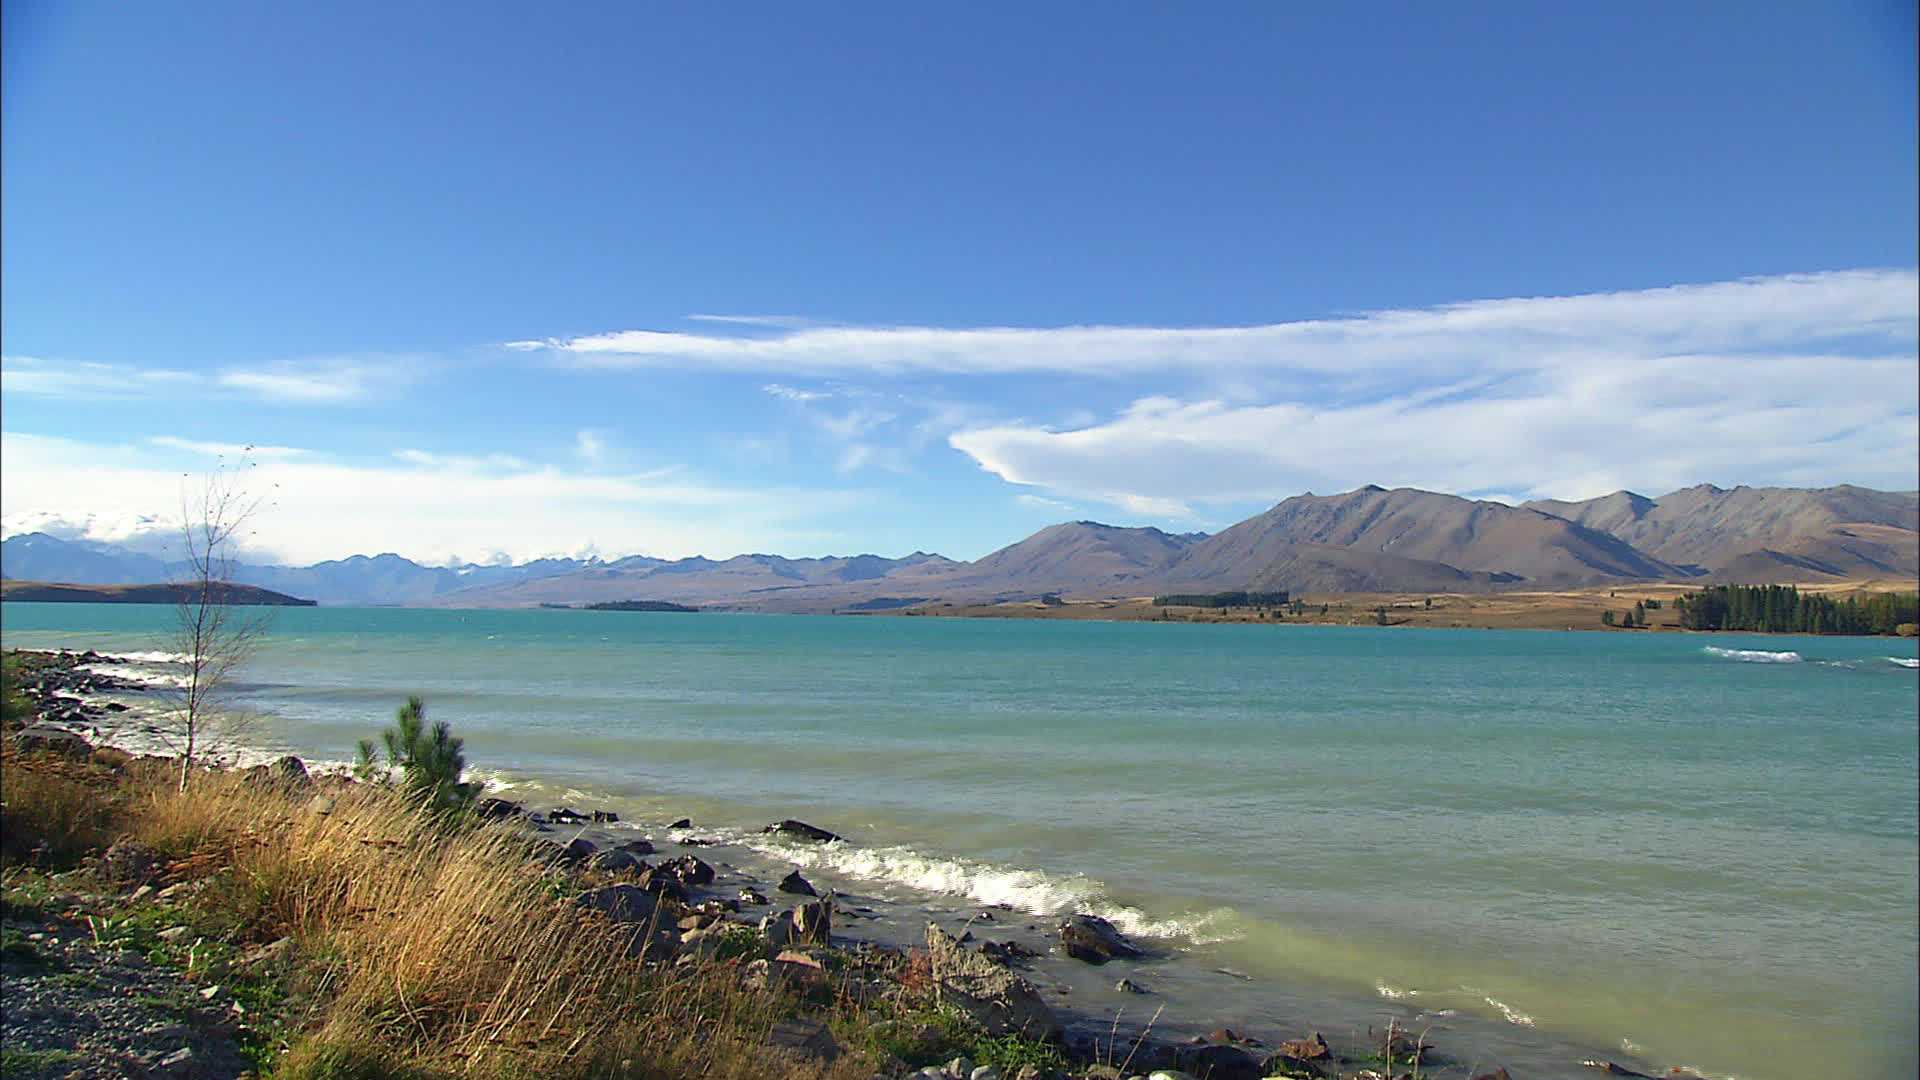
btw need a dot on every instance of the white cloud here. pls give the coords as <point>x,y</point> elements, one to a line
<point>430,507</point>
<point>590,445</point>
<point>84,379</point>
<point>1574,429</point>
<point>326,381</point>
<point>1480,336</point>
<point>232,451</point>
<point>318,381</point>
<point>465,462</point>
<point>793,393</point>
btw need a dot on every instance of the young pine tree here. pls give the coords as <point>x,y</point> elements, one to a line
<point>429,761</point>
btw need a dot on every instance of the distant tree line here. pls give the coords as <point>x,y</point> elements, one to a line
<point>1783,609</point>
<point>1223,599</point>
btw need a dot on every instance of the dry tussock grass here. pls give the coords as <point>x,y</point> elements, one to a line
<point>430,948</point>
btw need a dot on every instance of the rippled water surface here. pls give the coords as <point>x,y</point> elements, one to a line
<point>1702,846</point>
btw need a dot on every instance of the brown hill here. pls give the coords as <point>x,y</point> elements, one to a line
<point>1764,534</point>
<point>57,593</point>
<point>1443,532</point>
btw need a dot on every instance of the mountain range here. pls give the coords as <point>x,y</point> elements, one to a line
<point>1368,540</point>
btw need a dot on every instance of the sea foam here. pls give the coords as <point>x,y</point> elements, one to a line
<point>1753,656</point>
<point>1904,661</point>
<point>1032,891</point>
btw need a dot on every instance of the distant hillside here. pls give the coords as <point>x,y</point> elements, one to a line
<point>1367,540</point>
<point>1759,535</point>
<point>45,593</point>
<point>700,580</point>
<point>1078,554</point>
<point>1410,535</point>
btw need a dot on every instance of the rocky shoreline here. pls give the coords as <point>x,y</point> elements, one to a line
<point>1075,981</point>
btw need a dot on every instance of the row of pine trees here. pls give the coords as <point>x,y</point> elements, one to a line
<point>1783,609</point>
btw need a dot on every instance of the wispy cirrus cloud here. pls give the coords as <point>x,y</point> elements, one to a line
<point>227,450</point>
<point>43,377</point>
<point>323,381</point>
<point>1481,335</point>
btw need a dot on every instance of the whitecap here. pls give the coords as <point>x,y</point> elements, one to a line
<point>1394,993</point>
<point>1513,1015</point>
<point>1032,891</point>
<point>1753,656</point>
<point>150,657</point>
<point>1904,661</point>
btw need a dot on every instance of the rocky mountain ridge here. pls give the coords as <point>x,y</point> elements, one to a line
<point>1371,539</point>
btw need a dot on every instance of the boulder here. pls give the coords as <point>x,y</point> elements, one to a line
<point>605,817</point>
<point>1221,1061</point>
<point>621,903</point>
<point>1128,986</point>
<point>1497,1074</point>
<point>614,861</point>
<point>579,849</point>
<point>660,881</point>
<point>637,847</point>
<point>753,898</point>
<point>291,772</point>
<point>997,999</point>
<point>48,739</point>
<point>1094,939</point>
<point>561,815</point>
<point>689,870</point>
<point>1311,1048</point>
<point>813,922</point>
<point>799,886</point>
<point>1007,952</point>
<point>802,831</point>
<point>805,1039</point>
<point>683,823</point>
<point>498,809</point>
<point>130,862</point>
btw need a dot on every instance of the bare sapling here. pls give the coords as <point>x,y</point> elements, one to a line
<point>212,635</point>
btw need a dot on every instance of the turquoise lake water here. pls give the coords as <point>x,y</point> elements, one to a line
<point>1700,846</point>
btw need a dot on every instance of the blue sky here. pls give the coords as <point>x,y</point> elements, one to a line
<point>876,278</point>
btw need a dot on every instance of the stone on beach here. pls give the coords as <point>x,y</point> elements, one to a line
<point>689,870</point>
<point>992,994</point>
<point>48,739</point>
<point>1094,939</point>
<point>801,829</point>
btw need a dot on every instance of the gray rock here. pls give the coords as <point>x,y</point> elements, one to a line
<point>997,999</point>
<point>689,870</point>
<point>804,1038</point>
<point>794,883</point>
<point>959,1069</point>
<point>1128,986</point>
<point>984,1072</point>
<point>48,739</point>
<point>802,831</point>
<point>614,861</point>
<point>1094,939</point>
<point>622,903</point>
<point>128,861</point>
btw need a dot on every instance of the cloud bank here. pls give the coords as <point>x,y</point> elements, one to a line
<point>1800,310</point>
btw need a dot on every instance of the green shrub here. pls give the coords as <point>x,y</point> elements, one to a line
<point>429,760</point>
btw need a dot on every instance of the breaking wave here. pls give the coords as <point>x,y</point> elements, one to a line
<point>149,657</point>
<point>1904,661</point>
<point>142,676</point>
<point>1753,656</point>
<point>1513,1015</point>
<point>1032,891</point>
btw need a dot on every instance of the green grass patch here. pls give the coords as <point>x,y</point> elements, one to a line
<point>17,1062</point>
